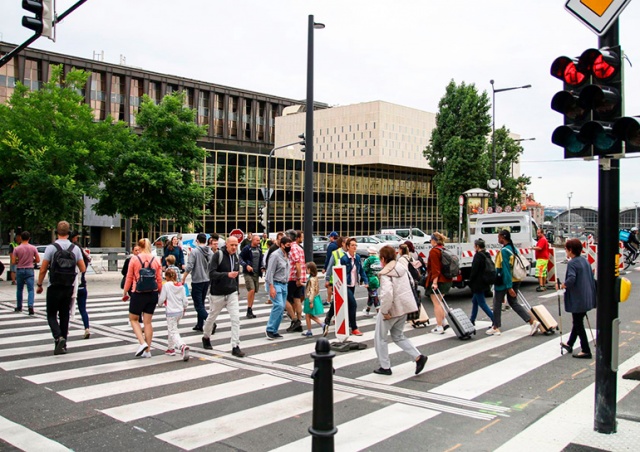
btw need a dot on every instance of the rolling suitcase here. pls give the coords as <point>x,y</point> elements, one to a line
<point>547,323</point>
<point>423,319</point>
<point>458,319</point>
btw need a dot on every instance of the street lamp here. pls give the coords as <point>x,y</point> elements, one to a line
<point>308,159</point>
<point>569,195</point>
<point>518,141</point>
<point>493,133</point>
<point>267,195</point>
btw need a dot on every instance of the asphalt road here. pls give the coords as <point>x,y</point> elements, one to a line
<point>473,395</point>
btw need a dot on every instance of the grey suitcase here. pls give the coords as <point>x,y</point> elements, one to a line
<point>458,319</point>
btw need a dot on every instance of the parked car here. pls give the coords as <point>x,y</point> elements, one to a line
<point>41,249</point>
<point>319,254</point>
<point>366,241</point>
<point>415,235</point>
<point>390,239</point>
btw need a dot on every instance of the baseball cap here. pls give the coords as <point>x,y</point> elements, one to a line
<point>333,234</point>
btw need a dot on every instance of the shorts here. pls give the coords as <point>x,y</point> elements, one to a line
<point>143,302</point>
<point>13,268</point>
<point>251,282</point>
<point>293,291</point>
<point>541,267</point>
<point>443,287</point>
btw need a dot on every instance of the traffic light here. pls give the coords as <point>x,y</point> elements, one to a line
<point>303,143</point>
<point>590,102</point>
<point>42,24</point>
<point>627,129</point>
<point>264,216</point>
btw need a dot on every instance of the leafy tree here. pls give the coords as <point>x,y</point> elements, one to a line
<point>458,148</point>
<point>508,151</point>
<point>153,177</point>
<point>51,152</point>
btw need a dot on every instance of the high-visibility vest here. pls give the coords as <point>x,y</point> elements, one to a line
<point>337,255</point>
<point>264,245</point>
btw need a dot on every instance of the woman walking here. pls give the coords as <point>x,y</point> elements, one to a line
<point>436,280</point>
<point>579,296</point>
<point>144,295</point>
<point>173,248</point>
<point>397,300</point>
<point>477,282</point>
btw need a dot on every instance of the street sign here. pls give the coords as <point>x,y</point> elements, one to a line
<point>597,15</point>
<point>264,193</point>
<point>461,200</point>
<point>237,233</point>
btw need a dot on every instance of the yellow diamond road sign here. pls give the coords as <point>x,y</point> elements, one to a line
<point>598,15</point>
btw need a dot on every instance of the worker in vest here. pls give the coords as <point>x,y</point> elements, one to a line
<point>264,244</point>
<point>335,260</point>
<point>13,268</point>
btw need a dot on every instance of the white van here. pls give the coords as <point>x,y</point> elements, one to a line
<point>414,234</point>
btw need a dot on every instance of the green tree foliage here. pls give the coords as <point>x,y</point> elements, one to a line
<point>153,177</point>
<point>508,152</point>
<point>51,152</point>
<point>458,147</point>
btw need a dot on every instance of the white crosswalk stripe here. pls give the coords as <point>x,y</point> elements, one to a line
<point>103,371</point>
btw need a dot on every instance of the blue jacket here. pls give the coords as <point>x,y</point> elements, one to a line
<point>505,265</point>
<point>346,261</point>
<point>246,258</point>
<point>331,247</point>
<point>580,294</point>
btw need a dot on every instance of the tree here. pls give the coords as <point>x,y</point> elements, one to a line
<point>508,152</point>
<point>153,177</point>
<point>51,151</point>
<point>457,151</point>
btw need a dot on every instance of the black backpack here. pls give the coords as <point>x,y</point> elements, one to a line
<point>489,273</point>
<point>147,280</point>
<point>450,264</point>
<point>63,267</point>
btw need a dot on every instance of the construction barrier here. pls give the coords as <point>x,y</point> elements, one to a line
<point>340,302</point>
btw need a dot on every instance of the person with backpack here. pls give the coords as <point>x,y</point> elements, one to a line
<point>61,259</point>
<point>144,279</point>
<point>198,267</point>
<point>437,280</point>
<point>483,274</point>
<point>506,285</point>
<point>81,294</point>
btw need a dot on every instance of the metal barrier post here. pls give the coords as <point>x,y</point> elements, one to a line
<point>322,428</point>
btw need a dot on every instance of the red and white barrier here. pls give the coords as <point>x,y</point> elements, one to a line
<point>551,266</point>
<point>340,302</point>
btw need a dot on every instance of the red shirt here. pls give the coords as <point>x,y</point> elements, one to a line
<point>25,255</point>
<point>296,256</point>
<point>544,252</point>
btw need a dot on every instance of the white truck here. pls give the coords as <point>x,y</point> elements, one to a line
<point>486,226</point>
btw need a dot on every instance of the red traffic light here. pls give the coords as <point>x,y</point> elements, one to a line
<point>602,63</point>
<point>566,69</point>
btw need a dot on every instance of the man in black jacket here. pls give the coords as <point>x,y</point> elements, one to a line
<point>251,261</point>
<point>477,281</point>
<point>224,268</point>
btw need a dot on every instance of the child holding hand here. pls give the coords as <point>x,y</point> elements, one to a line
<point>312,302</point>
<point>174,297</point>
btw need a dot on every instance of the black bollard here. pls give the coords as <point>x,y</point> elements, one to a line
<point>322,428</point>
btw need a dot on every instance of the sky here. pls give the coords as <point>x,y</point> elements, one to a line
<point>402,51</point>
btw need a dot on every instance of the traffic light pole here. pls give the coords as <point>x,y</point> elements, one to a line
<point>607,312</point>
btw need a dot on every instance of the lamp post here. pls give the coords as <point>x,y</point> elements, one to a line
<point>518,141</point>
<point>569,195</point>
<point>493,130</point>
<point>636,222</point>
<point>267,196</point>
<point>308,159</point>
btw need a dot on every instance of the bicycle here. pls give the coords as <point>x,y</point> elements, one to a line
<point>629,258</point>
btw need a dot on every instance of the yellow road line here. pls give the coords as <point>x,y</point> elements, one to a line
<point>454,447</point>
<point>578,373</point>
<point>487,426</point>
<point>555,386</point>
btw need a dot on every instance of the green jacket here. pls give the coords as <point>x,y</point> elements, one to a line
<point>371,267</point>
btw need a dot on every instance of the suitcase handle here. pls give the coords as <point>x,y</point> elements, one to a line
<point>441,300</point>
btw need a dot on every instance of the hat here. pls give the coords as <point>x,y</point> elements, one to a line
<point>73,234</point>
<point>372,250</point>
<point>333,234</point>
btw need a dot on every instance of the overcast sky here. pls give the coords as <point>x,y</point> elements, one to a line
<point>402,51</point>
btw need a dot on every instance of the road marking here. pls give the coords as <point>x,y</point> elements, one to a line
<point>30,350</point>
<point>37,337</point>
<point>201,434</point>
<point>555,386</point>
<point>454,447</point>
<point>379,425</point>
<point>188,399</point>
<point>68,358</point>
<point>578,373</point>
<point>487,426</point>
<point>27,440</point>
<point>91,392</point>
<point>522,406</point>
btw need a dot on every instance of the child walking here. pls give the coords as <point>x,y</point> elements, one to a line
<point>372,267</point>
<point>174,298</point>
<point>312,302</point>
<point>171,264</point>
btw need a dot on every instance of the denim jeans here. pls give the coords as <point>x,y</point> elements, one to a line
<point>25,276</point>
<point>353,307</point>
<point>81,300</point>
<point>278,307</point>
<point>199,295</point>
<point>479,301</point>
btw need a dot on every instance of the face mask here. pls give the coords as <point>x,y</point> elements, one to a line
<point>287,249</point>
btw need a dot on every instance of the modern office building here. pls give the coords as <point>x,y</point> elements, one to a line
<point>381,181</point>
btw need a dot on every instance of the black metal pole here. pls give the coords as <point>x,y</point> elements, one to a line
<point>322,429</point>
<point>268,197</point>
<point>607,312</point>
<point>308,158</point>
<point>493,142</point>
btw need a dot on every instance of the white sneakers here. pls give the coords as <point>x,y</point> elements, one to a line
<point>493,331</point>
<point>534,328</point>
<point>438,330</point>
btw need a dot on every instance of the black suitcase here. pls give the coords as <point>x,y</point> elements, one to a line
<point>458,319</point>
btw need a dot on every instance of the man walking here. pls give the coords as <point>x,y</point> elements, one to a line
<point>198,267</point>
<point>542,260</point>
<point>59,260</point>
<point>23,258</point>
<point>17,239</point>
<point>224,268</point>
<point>336,255</point>
<point>355,275</point>
<point>276,280</point>
<point>250,259</point>
<point>297,281</point>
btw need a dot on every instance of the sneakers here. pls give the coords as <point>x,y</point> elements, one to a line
<point>197,328</point>
<point>382,371</point>
<point>295,327</point>
<point>326,304</point>
<point>420,363</point>
<point>206,343</point>
<point>237,352</point>
<point>184,350</point>
<point>367,312</point>
<point>146,355</point>
<point>540,289</point>
<point>493,332</point>
<point>307,333</point>
<point>17,309</point>
<point>87,333</point>
<point>61,346</point>
<point>325,330</point>
<point>505,307</point>
<point>141,349</point>
<point>250,314</point>
<point>438,330</point>
<point>272,336</point>
<point>534,328</point>
<point>356,332</point>
<point>31,311</point>
<point>170,352</point>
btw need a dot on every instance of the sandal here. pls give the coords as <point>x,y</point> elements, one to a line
<point>568,348</point>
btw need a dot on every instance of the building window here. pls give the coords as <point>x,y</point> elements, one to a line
<point>32,74</point>
<point>135,97</point>
<point>233,116</point>
<point>117,97</point>
<point>203,108</point>
<point>218,115</point>
<point>98,104</point>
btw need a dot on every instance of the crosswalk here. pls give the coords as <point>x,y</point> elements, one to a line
<point>266,397</point>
